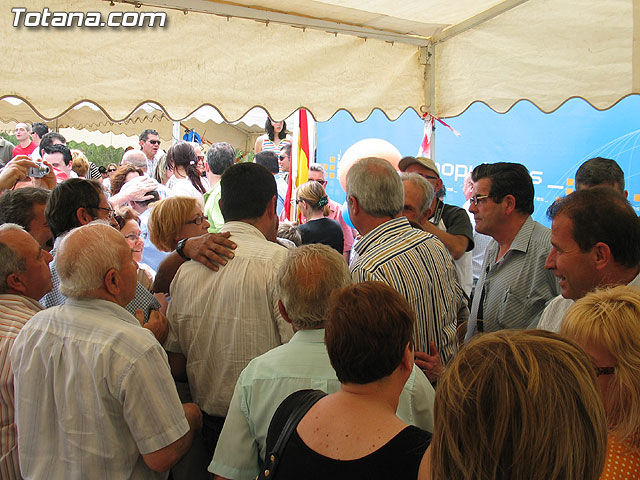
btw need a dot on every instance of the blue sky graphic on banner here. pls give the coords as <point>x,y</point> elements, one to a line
<point>552,146</point>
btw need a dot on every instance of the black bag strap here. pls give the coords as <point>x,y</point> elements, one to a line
<point>306,400</point>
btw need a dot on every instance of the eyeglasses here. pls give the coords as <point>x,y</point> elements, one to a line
<point>135,236</point>
<point>200,158</point>
<point>321,182</point>
<point>198,220</point>
<point>282,157</point>
<point>476,199</point>
<point>111,170</point>
<point>110,212</point>
<point>299,200</point>
<point>154,142</point>
<point>604,370</point>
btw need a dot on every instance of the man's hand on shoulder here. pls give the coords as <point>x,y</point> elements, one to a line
<point>210,249</point>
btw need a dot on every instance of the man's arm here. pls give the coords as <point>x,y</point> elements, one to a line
<point>165,458</point>
<point>456,244</point>
<point>17,170</point>
<point>210,249</point>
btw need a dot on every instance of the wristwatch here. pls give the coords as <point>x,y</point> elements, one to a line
<point>180,248</point>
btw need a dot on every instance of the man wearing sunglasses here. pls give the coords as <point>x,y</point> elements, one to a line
<point>514,287</point>
<point>150,144</point>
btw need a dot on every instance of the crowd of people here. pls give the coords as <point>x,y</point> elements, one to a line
<point>160,317</point>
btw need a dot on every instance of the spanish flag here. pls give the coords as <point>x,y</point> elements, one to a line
<point>302,154</point>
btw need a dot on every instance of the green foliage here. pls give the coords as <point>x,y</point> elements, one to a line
<point>98,154</point>
<point>244,157</point>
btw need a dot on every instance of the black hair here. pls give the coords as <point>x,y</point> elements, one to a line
<point>66,198</point>
<point>47,141</point>
<point>600,171</point>
<point>602,214</point>
<point>271,132</point>
<point>246,190</point>
<point>508,179</point>
<point>145,134</point>
<point>57,148</point>
<point>39,129</point>
<point>268,159</point>
<point>182,154</point>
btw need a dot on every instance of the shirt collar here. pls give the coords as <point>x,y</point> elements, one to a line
<point>308,336</point>
<point>399,224</point>
<point>103,306</point>
<point>521,241</point>
<point>242,228</point>
<point>30,303</point>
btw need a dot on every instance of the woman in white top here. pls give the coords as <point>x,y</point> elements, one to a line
<point>186,180</point>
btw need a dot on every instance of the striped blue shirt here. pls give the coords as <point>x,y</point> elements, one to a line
<point>418,266</point>
<point>518,286</point>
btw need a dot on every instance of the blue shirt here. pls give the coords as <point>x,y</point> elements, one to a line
<point>270,378</point>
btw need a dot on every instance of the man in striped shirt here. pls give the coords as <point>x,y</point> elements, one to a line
<point>24,278</point>
<point>413,262</point>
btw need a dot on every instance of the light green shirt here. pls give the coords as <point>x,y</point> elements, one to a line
<point>212,208</point>
<point>270,378</point>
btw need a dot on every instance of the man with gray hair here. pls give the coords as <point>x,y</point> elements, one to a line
<point>137,158</point>
<point>415,263</point>
<point>220,156</point>
<point>306,280</point>
<point>91,385</point>
<point>24,278</point>
<point>418,197</point>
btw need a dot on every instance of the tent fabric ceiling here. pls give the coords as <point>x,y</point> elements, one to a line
<point>206,121</point>
<point>327,55</point>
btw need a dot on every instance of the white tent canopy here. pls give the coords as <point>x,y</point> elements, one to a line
<point>327,55</point>
<point>86,116</point>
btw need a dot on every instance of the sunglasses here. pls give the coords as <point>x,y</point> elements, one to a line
<point>111,170</point>
<point>154,142</point>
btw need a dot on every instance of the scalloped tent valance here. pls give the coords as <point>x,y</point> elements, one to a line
<point>325,56</point>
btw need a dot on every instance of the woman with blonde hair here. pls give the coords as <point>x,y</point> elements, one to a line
<point>173,219</point>
<point>80,164</point>
<point>606,324</point>
<point>517,405</point>
<point>314,206</point>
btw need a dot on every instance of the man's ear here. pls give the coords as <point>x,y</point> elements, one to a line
<point>283,311</point>
<point>112,282</point>
<point>602,255</point>
<point>272,206</point>
<point>83,216</point>
<point>15,283</point>
<point>407,357</point>
<point>509,202</point>
<point>354,207</point>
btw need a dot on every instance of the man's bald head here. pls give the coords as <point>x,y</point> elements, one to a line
<point>136,158</point>
<point>86,256</point>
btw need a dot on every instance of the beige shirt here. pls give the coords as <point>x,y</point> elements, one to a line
<point>222,320</point>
